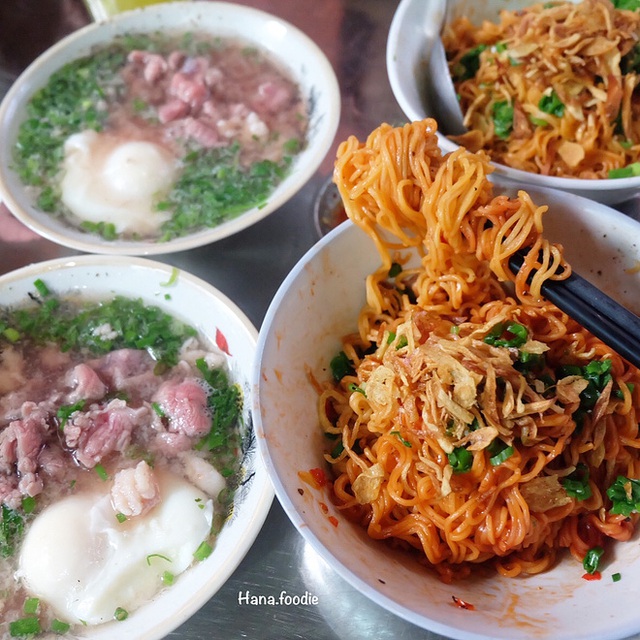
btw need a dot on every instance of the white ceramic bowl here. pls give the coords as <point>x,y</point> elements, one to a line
<point>202,306</point>
<point>318,303</point>
<point>414,27</point>
<point>297,53</point>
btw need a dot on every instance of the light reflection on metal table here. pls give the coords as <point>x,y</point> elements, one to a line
<point>249,268</point>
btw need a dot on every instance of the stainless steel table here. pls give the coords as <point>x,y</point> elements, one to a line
<point>249,267</point>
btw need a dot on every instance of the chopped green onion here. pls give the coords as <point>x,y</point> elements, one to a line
<point>539,122</point>
<point>598,375</point>
<point>158,409</point>
<point>66,411</point>
<point>618,393</point>
<point>624,494</point>
<point>528,362</point>
<point>203,551</point>
<point>11,528</point>
<point>406,443</point>
<point>120,614</point>
<point>173,278</point>
<point>402,342</point>
<point>592,559</point>
<point>11,334</point>
<point>217,523</point>
<point>28,504</point>
<point>499,458</point>
<point>396,269</point>
<point>139,105</point>
<point>551,104</point>
<point>292,145</point>
<point>101,471</point>
<point>168,578</point>
<point>157,555</point>
<point>499,452</point>
<point>225,403</point>
<point>511,334</point>
<point>31,605</point>
<point>630,171</point>
<point>460,459</point>
<point>577,483</point>
<point>616,577</point>
<point>41,287</point>
<point>502,114</point>
<point>469,63</point>
<point>628,5</point>
<point>120,517</point>
<point>341,366</point>
<point>354,388</point>
<point>57,626</point>
<point>337,450</point>
<point>106,230</point>
<point>29,626</point>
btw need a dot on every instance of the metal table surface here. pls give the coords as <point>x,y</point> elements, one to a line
<point>249,268</point>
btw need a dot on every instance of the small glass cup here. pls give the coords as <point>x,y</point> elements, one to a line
<point>328,209</point>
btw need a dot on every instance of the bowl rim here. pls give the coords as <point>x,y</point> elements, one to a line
<point>206,582</point>
<point>305,164</point>
<point>397,35</point>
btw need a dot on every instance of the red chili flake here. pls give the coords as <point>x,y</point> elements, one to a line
<point>301,491</point>
<point>333,520</point>
<point>324,507</point>
<point>459,602</point>
<point>221,341</point>
<point>318,475</point>
<point>596,575</point>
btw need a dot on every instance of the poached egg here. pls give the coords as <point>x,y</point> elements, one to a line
<point>111,179</point>
<point>86,564</point>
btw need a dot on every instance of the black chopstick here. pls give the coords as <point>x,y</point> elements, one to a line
<point>605,318</point>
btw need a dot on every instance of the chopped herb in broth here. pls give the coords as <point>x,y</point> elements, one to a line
<point>194,203</point>
<point>120,410</point>
<point>175,134</point>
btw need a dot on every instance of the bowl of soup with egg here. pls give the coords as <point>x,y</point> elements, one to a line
<point>165,128</point>
<point>130,489</point>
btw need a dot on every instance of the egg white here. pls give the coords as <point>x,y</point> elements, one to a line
<point>107,178</point>
<point>85,564</point>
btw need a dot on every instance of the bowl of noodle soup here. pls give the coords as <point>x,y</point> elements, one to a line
<point>459,481</point>
<point>165,128</point>
<point>85,344</point>
<point>545,117</point>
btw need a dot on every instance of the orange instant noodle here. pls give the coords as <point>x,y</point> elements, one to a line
<point>426,390</point>
<point>551,89</point>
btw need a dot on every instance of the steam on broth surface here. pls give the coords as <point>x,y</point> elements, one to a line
<point>119,436</point>
<point>155,136</point>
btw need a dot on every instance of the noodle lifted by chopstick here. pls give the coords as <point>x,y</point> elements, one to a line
<point>467,423</point>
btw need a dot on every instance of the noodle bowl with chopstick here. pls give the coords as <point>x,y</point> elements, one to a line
<point>469,420</point>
